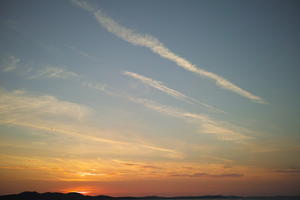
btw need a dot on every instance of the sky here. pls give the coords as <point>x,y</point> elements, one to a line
<point>138,98</point>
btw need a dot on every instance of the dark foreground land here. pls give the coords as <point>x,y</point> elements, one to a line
<point>77,196</point>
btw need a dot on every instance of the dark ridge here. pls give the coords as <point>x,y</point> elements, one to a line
<point>44,196</point>
<point>77,196</point>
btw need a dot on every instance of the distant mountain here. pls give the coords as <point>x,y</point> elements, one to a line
<point>77,196</point>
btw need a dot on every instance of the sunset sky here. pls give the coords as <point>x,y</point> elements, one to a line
<point>152,97</point>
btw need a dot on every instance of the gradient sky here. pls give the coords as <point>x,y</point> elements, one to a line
<point>152,97</point>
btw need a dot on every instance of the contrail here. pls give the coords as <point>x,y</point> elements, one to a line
<point>157,47</point>
<point>163,88</point>
<point>206,124</point>
<point>223,131</point>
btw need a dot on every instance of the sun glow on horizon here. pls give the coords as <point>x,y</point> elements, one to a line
<point>149,98</point>
<point>85,190</point>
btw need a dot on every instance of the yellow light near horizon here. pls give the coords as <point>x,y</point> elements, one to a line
<point>85,190</point>
<point>82,192</point>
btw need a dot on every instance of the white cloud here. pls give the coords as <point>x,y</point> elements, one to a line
<point>83,133</point>
<point>10,63</point>
<point>163,88</point>
<point>52,72</point>
<point>47,113</point>
<point>19,104</point>
<point>160,86</point>
<point>82,53</point>
<point>157,47</point>
<point>103,88</point>
<point>96,86</point>
<point>83,5</point>
<point>223,131</point>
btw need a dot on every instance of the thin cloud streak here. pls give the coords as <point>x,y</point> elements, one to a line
<point>223,131</point>
<point>196,175</point>
<point>206,124</point>
<point>82,53</point>
<point>288,171</point>
<point>157,47</point>
<point>163,88</point>
<point>20,103</point>
<point>159,85</point>
<point>10,64</point>
<point>52,72</point>
<point>47,71</point>
<point>73,133</point>
<point>96,86</point>
<point>41,112</point>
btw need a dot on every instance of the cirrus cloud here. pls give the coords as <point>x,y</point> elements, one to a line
<point>159,48</point>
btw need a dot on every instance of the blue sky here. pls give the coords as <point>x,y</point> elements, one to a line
<point>170,83</point>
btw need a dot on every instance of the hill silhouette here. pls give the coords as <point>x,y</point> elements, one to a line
<point>78,196</point>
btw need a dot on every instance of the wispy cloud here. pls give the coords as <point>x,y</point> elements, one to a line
<point>82,53</point>
<point>159,48</point>
<point>53,72</point>
<point>206,124</point>
<point>223,130</point>
<point>105,88</point>
<point>47,113</point>
<point>30,71</point>
<point>136,164</point>
<point>196,175</point>
<point>90,169</point>
<point>10,63</point>
<point>174,93</point>
<point>96,86</point>
<point>170,153</point>
<point>288,171</point>
<point>182,170</point>
<point>83,4</point>
<point>19,104</point>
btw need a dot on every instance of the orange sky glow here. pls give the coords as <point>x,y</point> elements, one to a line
<point>142,98</point>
